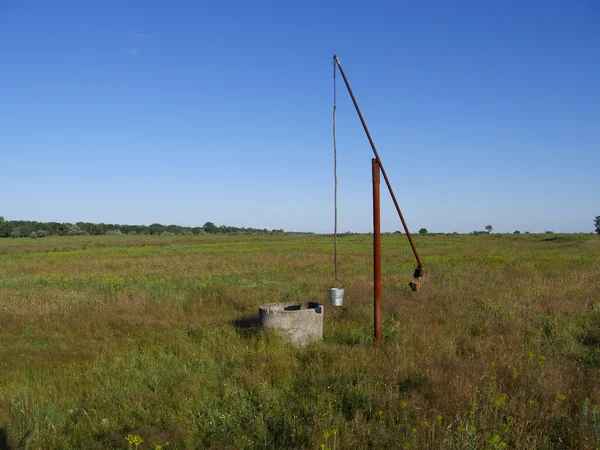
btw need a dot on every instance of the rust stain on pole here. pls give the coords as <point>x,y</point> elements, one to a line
<point>419,271</point>
<point>376,251</point>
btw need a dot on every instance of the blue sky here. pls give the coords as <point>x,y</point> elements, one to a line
<point>187,112</point>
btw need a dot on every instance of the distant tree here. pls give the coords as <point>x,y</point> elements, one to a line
<point>5,229</point>
<point>423,231</point>
<point>488,229</point>
<point>517,232</point>
<point>113,232</point>
<point>74,230</point>
<point>33,235</point>
<point>175,229</point>
<point>527,232</point>
<point>85,226</point>
<point>19,228</point>
<point>62,229</point>
<point>156,228</point>
<point>210,227</point>
<point>95,229</point>
<point>26,228</point>
<point>549,232</point>
<point>597,223</point>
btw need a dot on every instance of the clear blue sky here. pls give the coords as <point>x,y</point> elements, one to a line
<point>186,112</point>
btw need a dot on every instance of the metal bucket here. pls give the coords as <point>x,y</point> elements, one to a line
<point>336,296</point>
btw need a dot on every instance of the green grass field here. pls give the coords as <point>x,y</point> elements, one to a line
<point>148,342</point>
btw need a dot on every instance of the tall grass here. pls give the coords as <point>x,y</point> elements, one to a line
<point>150,342</point>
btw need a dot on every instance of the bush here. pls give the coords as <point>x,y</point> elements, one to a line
<point>74,230</point>
<point>423,231</point>
<point>42,233</point>
<point>33,235</point>
<point>115,232</point>
<point>517,232</point>
<point>167,233</point>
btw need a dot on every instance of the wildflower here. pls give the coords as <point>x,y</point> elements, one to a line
<point>474,407</point>
<point>134,441</point>
<point>500,400</point>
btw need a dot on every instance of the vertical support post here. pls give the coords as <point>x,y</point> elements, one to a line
<point>376,250</point>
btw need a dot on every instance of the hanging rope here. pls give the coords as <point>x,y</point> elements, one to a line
<point>335,268</point>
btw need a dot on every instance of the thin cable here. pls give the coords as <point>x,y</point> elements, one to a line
<point>335,268</point>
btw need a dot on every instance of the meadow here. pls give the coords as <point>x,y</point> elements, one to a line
<point>151,342</point>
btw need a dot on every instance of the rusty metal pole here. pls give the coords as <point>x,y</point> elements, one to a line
<point>419,271</point>
<point>376,250</point>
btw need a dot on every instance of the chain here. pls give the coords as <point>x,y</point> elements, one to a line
<point>335,267</point>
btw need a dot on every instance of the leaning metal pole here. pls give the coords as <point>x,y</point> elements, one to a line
<point>419,270</point>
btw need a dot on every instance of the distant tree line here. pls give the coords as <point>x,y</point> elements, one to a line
<point>26,228</point>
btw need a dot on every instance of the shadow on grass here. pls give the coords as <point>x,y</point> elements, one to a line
<point>349,338</point>
<point>553,238</point>
<point>3,440</point>
<point>247,326</point>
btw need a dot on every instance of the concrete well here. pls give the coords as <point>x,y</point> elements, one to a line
<point>300,323</point>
